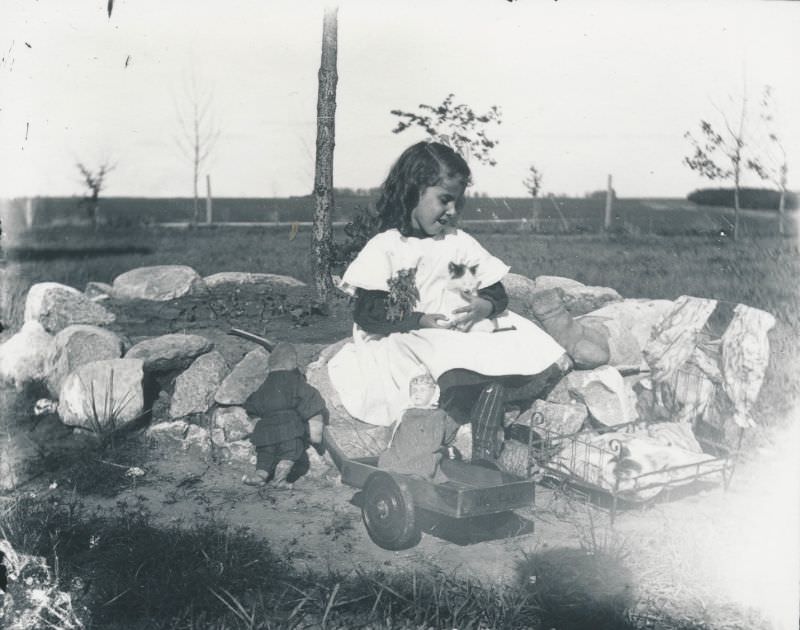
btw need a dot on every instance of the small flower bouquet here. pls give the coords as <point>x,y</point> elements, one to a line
<point>403,294</point>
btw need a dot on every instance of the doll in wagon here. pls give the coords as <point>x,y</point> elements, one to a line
<point>420,438</point>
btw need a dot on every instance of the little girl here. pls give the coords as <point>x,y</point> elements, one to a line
<point>409,318</point>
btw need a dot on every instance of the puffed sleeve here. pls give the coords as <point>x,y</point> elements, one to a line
<point>490,268</point>
<point>371,268</point>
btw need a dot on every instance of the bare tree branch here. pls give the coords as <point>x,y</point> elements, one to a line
<point>199,134</point>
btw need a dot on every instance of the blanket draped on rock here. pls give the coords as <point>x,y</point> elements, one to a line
<point>708,360</point>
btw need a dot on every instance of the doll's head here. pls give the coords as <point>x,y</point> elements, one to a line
<point>283,357</point>
<point>422,390</point>
<point>424,189</point>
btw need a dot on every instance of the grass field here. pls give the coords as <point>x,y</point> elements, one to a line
<point>760,272</point>
<point>661,216</point>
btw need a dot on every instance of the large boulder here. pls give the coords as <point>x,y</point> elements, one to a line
<point>584,299</point>
<point>555,418</point>
<point>517,285</point>
<point>227,280</point>
<point>158,283</point>
<point>98,291</point>
<point>346,435</point>
<point>23,357</point>
<point>234,423</point>
<point>630,325</point>
<point>170,352</point>
<point>75,346</point>
<point>610,400</point>
<point>195,388</point>
<point>245,378</point>
<point>540,283</point>
<point>56,306</point>
<point>103,395</point>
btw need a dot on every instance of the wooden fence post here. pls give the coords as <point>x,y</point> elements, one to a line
<point>609,206</point>
<point>29,213</point>
<point>209,205</point>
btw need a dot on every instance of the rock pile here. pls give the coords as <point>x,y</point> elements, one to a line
<point>90,352</point>
<point>186,391</point>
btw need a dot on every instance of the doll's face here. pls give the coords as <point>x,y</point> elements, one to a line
<point>438,206</point>
<point>422,393</point>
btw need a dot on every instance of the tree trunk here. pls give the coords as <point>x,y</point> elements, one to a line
<point>782,212</point>
<point>196,204</point>
<point>209,204</point>
<point>609,206</point>
<point>322,232</point>
<point>536,218</point>
<point>736,204</point>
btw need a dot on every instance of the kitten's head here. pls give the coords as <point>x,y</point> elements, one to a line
<point>463,277</point>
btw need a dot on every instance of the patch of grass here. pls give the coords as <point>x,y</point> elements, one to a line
<point>89,469</point>
<point>127,573</point>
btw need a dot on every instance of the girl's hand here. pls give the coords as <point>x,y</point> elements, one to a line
<point>434,320</point>
<point>478,308</point>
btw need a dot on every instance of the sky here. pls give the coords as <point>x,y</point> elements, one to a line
<point>586,89</point>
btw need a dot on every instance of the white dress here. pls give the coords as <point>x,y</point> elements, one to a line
<point>372,374</point>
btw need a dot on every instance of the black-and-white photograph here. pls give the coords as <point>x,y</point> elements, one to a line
<point>402,314</point>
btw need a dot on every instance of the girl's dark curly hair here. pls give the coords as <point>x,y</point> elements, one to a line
<point>421,165</point>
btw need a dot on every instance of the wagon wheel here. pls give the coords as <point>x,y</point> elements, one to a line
<point>388,512</point>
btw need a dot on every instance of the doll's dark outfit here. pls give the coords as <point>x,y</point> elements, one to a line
<point>284,403</point>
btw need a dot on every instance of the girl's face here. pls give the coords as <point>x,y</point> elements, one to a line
<point>437,206</point>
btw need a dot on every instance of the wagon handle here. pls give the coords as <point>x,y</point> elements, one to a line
<point>261,341</point>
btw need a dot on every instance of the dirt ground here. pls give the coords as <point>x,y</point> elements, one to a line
<point>705,556</point>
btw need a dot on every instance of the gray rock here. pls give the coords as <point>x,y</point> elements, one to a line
<point>463,441</point>
<point>168,433</point>
<point>582,299</point>
<point>218,437</point>
<point>610,400</point>
<point>514,458</point>
<point>102,395</point>
<point>517,285</point>
<point>318,465</point>
<point>77,345</point>
<point>23,356</point>
<point>560,393</point>
<point>97,291</point>
<point>555,282</point>
<point>228,279</point>
<point>245,378</point>
<point>630,325</point>
<point>558,418</point>
<point>239,452</point>
<point>197,440</point>
<point>56,306</point>
<point>169,352</point>
<point>348,435</point>
<point>195,388</point>
<point>317,376</point>
<point>158,283</point>
<point>234,422</point>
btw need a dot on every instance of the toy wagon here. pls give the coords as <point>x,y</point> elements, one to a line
<point>392,502</point>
